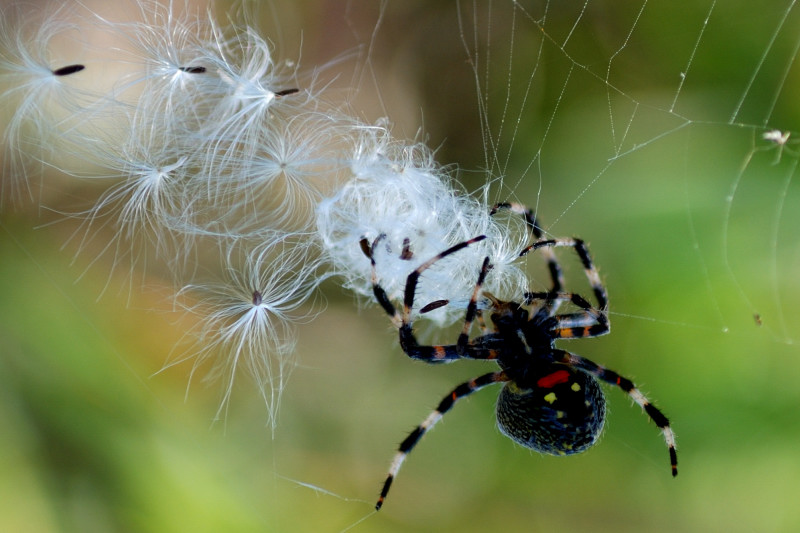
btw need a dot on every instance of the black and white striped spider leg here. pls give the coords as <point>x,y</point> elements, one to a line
<point>551,401</point>
<point>465,389</point>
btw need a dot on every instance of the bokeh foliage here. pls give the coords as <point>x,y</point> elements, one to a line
<point>94,439</point>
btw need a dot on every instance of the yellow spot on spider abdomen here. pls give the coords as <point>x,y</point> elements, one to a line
<point>550,398</point>
<point>575,386</point>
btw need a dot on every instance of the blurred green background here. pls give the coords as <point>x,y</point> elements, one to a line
<point>693,232</point>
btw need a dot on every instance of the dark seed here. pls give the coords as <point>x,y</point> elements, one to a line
<point>193,70</point>
<point>286,92</point>
<point>69,69</point>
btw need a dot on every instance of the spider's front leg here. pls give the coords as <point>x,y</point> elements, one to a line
<point>588,266</point>
<point>404,322</point>
<point>589,322</point>
<point>546,246</point>
<point>556,272</point>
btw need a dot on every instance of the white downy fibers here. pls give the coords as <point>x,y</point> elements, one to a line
<point>245,185</point>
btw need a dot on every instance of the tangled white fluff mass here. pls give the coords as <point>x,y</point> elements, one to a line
<point>212,151</point>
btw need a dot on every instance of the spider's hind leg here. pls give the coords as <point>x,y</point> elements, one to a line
<point>465,389</point>
<point>627,386</point>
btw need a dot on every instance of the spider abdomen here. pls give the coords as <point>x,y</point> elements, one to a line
<point>561,414</point>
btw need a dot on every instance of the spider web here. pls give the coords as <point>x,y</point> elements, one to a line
<point>650,109</point>
<point>663,134</point>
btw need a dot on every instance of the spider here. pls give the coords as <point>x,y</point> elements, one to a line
<point>551,401</point>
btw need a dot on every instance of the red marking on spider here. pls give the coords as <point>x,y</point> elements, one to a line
<point>551,380</point>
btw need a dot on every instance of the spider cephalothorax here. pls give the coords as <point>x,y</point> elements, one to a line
<point>551,400</point>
